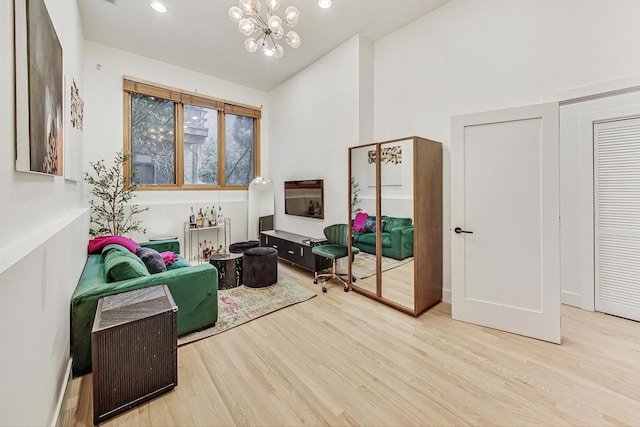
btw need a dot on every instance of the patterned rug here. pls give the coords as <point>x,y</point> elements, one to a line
<point>242,304</point>
<point>364,264</point>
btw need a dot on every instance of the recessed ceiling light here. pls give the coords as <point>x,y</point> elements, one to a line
<point>158,7</point>
<point>324,3</point>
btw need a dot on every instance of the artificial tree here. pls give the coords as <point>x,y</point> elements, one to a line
<point>355,197</point>
<point>111,211</point>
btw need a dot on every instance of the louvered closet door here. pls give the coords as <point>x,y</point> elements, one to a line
<point>617,217</point>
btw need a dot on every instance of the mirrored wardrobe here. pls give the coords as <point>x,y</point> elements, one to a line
<point>396,216</point>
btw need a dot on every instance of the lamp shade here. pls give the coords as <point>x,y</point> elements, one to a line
<point>250,7</point>
<point>251,45</point>
<point>291,16</point>
<point>273,4</point>
<point>235,14</point>
<point>246,26</point>
<point>293,39</point>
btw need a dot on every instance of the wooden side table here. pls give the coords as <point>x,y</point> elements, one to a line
<point>134,349</point>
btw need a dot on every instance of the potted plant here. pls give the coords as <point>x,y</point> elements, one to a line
<point>111,210</point>
<point>355,197</point>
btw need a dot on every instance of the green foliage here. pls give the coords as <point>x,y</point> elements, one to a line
<point>355,199</point>
<point>152,126</point>
<point>111,211</point>
<point>208,170</point>
<point>239,150</point>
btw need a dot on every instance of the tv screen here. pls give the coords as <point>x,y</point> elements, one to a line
<point>304,198</point>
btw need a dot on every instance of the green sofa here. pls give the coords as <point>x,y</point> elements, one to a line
<point>397,238</point>
<point>194,290</point>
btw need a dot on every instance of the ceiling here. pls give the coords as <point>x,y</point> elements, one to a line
<point>198,34</point>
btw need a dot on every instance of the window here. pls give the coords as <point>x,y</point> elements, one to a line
<point>181,140</point>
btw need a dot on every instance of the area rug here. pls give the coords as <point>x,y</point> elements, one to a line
<point>242,304</point>
<point>364,264</point>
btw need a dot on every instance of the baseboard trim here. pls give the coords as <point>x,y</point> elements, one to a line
<point>568,298</point>
<point>446,295</point>
<point>571,298</point>
<point>55,420</point>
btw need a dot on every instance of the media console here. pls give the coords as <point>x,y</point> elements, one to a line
<point>295,249</point>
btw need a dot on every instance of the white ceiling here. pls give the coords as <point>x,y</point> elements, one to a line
<point>198,34</point>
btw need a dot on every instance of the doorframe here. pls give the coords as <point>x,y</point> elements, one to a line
<point>586,202</point>
<point>586,222</point>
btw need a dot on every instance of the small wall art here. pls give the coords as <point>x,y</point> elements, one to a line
<point>77,106</point>
<point>390,166</point>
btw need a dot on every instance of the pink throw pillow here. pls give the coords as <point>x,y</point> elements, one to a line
<point>169,257</point>
<point>97,243</point>
<point>359,221</point>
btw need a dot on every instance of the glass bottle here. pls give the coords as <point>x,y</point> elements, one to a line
<point>220,219</point>
<point>192,219</point>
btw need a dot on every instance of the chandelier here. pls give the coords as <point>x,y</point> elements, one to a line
<point>269,29</point>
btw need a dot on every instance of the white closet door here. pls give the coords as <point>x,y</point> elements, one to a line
<point>617,217</point>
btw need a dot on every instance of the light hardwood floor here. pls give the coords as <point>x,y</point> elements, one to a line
<point>343,359</point>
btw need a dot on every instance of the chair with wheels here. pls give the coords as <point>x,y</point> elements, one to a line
<point>338,247</point>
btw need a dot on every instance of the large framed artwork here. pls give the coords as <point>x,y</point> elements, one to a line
<point>39,90</point>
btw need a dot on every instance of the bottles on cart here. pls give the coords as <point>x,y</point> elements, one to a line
<point>220,218</point>
<point>192,219</point>
<point>212,218</point>
<point>206,250</point>
<point>206,222</point>
<point>200,219</point>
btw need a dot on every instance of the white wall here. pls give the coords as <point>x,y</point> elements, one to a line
<point>43,247</point>
<point>470,56</point>
<point>104,124</point>
<point>315,116</point>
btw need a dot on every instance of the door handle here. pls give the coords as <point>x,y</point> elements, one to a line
<point>459,230</point>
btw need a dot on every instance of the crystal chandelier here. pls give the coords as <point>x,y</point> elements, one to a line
<point>269,29</point>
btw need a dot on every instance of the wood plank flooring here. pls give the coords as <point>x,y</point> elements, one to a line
<point>342,359</point>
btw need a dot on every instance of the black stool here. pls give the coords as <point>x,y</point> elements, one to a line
<point>241,247</point>
<point>260,267</point>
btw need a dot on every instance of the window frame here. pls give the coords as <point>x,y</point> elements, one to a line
<point>180,98</point>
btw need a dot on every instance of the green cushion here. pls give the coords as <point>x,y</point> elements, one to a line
<point>330,251</point>
<point>121,266</point>
<point>367,239</point>
<point>114,247</point>
<point>394,223</point>
<point>180,263</point>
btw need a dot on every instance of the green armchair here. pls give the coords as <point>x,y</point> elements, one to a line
<point>397,238</point>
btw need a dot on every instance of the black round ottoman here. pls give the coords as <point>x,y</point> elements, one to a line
<point>240,247</point>
<point>260,267</point>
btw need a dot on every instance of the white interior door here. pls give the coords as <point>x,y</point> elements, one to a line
<point>505,192</point>
<point>617,219</point>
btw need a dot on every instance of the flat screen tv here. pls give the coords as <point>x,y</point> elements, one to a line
<point>304,198</point>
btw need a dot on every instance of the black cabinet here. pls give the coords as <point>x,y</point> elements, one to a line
<point>295,249</point>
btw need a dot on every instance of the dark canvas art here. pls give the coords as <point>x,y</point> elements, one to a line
<point>46,94</point>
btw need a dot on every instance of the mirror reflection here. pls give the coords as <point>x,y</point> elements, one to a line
<point>363,213</point>
<point>261,207</point>
<point>396,200</point>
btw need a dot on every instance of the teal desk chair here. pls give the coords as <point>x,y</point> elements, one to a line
<point>338,236</point>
